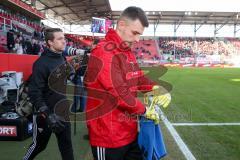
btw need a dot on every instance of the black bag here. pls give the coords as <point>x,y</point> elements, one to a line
<point>24,107</point>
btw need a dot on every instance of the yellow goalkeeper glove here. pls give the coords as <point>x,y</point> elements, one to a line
<point>152,114</point>
<point>160,96</point>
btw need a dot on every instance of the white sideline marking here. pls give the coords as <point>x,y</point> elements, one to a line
<point>182,146</point>
<point>206,124</point>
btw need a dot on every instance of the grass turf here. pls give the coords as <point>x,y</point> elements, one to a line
<point>202,94</point>
<point>205,95</point>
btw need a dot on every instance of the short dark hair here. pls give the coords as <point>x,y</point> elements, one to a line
<point>134,13</point>
<point>49,33</point>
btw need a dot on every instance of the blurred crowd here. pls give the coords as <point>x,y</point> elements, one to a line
<point>199,46</point>
<point>22,44</point>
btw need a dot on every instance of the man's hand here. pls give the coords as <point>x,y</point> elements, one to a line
<point>56,123</point>
<point>160,96</point>
<point>152,114</point>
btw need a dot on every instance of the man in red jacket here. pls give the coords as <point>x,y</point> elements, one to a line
<point>113,78</point>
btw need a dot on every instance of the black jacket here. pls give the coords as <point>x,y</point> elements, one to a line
<point>29,47</point>
<point>48,82</point>
<point>83,65</point>
<point>10,40</point>
<point>36,49</point>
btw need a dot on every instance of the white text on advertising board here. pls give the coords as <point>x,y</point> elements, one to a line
<point>8,131</point>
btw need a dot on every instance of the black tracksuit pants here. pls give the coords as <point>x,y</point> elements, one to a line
<point>41,136</point>
<point>127,152</point>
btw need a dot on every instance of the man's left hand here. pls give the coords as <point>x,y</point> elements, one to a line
<point>160,96</point>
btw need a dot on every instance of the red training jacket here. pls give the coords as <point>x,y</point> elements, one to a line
<point>112,79</point>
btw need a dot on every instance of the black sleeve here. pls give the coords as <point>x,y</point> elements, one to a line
<point>37,85</point>
<point>83,65</point>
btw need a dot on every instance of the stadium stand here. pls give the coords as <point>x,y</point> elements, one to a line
<point>146,49</point>
<point>22,28</point>
<point>187,50</point>
<point>205,46</point>
<point>9,18</point>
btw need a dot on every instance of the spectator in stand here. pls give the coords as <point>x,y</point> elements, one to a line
<point>42,31</point>
<point>36,47</point>
<point>17,39</point>
<point>42,47</point>
<point>10,40</point>
<point>18,45</point>
<point>29,47</point>
<point>22,40</point>
<point>36,34</point>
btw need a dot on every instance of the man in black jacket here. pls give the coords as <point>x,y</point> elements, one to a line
<point>36,47</point>
<point>28,47</point>
<point>46,93</point>
<point>10,40</point>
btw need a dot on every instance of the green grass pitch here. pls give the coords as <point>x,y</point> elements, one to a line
<point>205,95</point>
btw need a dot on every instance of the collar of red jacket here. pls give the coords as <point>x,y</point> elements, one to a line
<point>112,36</point>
